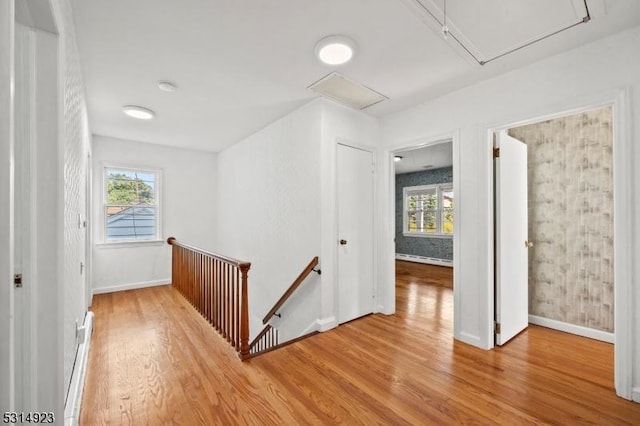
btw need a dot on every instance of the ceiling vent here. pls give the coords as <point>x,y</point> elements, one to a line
<point>347,92</point>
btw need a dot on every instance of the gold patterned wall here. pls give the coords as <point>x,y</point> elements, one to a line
<point>570,177</point>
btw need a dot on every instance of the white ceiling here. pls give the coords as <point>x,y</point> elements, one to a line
<point>425,158</point>
<point>241,64</point>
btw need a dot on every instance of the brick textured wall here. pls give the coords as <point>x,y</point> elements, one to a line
<point>438,248</point>
<point>570,162</point>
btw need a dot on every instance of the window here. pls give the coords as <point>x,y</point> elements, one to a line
<point>131,205</point>
<point>428,210</point>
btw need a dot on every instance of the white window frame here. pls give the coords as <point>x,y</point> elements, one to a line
<point>440,188</point>
<point>157,238</point>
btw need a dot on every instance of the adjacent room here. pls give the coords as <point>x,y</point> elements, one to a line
<point>424,224</point>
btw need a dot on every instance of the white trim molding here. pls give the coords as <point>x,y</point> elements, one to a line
<point>131,286</point>
<point>578,330</point>
<point>469,339</point>
<point>326,324</point>
<point>74,399</point>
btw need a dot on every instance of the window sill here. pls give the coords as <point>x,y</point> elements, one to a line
<point>420,235</point>
<point>129,244</point>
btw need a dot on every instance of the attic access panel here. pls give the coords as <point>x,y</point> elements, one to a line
<point>490,29</point>
<point>346,91</point>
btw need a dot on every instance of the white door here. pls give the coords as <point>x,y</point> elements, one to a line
<point>355,232</point>
<point>512,306</point>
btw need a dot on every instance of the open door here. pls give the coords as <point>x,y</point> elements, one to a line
<point>511,242</point>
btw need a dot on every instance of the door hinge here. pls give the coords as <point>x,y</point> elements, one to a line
<point>17,280</point>
<point>496,328</point>
<point>496,152</point>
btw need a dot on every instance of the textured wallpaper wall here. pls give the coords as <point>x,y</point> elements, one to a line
<point>571,218</point>
<point>439,248</point>
<point>76,146</point>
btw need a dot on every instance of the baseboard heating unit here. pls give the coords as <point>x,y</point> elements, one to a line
<point>423,259</point>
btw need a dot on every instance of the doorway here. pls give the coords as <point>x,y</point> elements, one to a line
<point>581,179</point>
<point>569,188</point>
<point>423,182</point>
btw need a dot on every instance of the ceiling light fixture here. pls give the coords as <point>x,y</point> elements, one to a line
<point>141,113</point>
<point>397,158</point>
<point>335,50</point>
<point>167,86</point>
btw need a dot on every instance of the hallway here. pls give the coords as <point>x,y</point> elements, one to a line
<point>154,360</point>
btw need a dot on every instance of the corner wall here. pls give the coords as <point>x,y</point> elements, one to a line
<point>277,210</point>
<point>269,213</point>
<point>187,211</point>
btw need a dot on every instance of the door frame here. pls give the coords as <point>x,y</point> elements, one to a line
<point>622,218</point>
<point>336,231</point>
<point>388,245</point>
<point>7,70</point>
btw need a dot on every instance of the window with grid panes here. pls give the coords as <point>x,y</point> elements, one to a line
<point>428,210</point>
<point>131,204</point>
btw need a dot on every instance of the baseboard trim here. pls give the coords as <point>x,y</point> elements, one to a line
<point>470,339</point>
<point>423,259</point>
<point>74,399</point>
<point>635,394</point>
<point>132,286</point>
<point>325,324</point>
<point>312,328</point>
<point>573,329</point>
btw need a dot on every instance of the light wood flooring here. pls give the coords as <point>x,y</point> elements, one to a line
<point>155,361</point>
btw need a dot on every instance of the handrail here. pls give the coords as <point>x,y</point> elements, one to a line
<point>217,286</point>
<point>260,335</point>
<point>292,288</point>
<point>230,260</point>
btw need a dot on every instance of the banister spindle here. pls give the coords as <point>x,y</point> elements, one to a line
<point>216,286</point>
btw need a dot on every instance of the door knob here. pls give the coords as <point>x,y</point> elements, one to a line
<point>528,244</point>
<point>343,242</point>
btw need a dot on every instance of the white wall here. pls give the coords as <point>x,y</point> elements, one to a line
<point>277,209</point>
<point>76,145</point>
<point>269,214</point>
<point>340,125</point>
<point>557,84</point>
<point>188,211</point>
<point>57,170</point>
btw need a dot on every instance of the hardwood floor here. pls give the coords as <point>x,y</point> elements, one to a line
<point>422,273</point>
<point>155,361</point>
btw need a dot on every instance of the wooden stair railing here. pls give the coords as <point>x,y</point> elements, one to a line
<point>267,339</point>
<point>292,288</point>
<point>217,287</point>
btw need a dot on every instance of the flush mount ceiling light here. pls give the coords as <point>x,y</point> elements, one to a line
<point>138,112</point>
<point>335,50</point>
<point>397,158</point>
